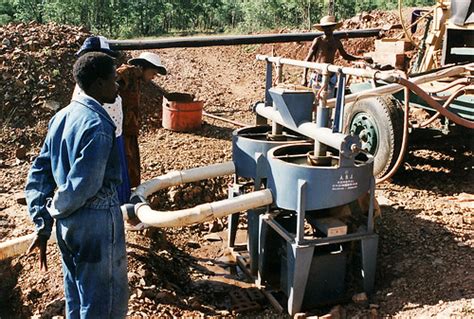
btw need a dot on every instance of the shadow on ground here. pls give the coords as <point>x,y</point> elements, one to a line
<point>11,305</point>
<point>420,262</point>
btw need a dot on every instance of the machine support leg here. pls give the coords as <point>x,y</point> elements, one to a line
<point>233,221</point>
<point>370,220</point>
<point>299,264</point>
<point>253,218</point>
<point>301,210</point>
<point>369,259</point>
<point>263,229</point>
<point>253,228</point>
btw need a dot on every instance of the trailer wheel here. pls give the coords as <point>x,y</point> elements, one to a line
<point>378,121</point>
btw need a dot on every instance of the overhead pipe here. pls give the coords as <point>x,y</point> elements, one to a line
<point>322,67</point>
<point>192,42</point>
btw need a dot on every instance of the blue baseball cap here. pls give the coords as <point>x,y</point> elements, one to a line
<point>96,44</point>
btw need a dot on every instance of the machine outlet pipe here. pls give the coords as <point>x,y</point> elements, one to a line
<point>323,135</point>
<point>175,178</point>
<point>188,42</point>
<point>204,212</point>
<point>18,246</point>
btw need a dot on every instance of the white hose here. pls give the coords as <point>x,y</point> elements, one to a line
<point>175,178</point>
<point>200,213</point>
<point>204,212</point>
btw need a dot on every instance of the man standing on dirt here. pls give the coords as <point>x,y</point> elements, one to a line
<point>73,182</point>
<point>130,78</point>
<point>100,44</point>
<point>323,50</point>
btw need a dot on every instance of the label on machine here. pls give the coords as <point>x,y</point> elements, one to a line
<point>346,182</point>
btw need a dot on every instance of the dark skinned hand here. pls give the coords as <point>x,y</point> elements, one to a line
<point>40,242</point>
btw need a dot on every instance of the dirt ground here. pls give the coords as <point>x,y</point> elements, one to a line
<point>426,248</point>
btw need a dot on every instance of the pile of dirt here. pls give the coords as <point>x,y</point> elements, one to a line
<point>35,80</point>
<point>35,63</point>
<point>372,19</point>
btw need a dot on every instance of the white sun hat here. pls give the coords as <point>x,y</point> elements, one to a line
<point>149,60</point>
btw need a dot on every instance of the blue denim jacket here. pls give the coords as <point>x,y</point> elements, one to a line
<point>78,165</point>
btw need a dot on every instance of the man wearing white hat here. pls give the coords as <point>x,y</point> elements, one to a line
<point>130,78</point>
<point>324,48</point>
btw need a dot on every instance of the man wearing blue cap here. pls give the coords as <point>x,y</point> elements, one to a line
<point>97,44</point>
<point>73,183</point>
<point>100,44</point>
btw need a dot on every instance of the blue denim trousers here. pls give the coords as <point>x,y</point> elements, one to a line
<point>123,190</point>
<point>94,260</point>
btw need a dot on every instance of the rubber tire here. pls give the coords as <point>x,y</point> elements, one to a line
<point>388,118</point>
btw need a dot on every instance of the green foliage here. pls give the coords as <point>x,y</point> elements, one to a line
<point>7,12</point>
<point>125,18</point>
<point>29,10</point>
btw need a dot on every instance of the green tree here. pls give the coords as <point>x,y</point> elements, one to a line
<point>29,10</point>
<point>7,12</point>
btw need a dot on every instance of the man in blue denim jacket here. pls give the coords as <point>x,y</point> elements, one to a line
<point>73,182</point>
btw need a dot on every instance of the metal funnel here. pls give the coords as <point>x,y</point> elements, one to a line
<point>295,106</point>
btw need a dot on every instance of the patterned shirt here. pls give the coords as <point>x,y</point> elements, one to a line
<point>114,110</point>
<point>129,78</point>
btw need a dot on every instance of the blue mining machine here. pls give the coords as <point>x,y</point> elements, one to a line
<point>315,245</point>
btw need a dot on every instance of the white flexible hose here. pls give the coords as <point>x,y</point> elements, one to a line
<point>175,178</point>
<point>204,212</point>
<point>200,213</point>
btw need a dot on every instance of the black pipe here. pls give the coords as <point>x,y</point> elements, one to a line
<point>233,40</point>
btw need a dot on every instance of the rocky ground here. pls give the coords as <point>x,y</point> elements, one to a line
<point>425,257</point>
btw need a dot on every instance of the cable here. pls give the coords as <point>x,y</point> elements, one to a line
<point>456,94</point>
